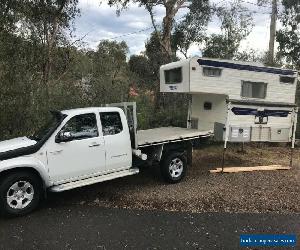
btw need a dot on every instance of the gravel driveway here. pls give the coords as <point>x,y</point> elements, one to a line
<point>254,192</point>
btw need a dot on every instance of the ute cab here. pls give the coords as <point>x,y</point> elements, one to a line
<point>89,142</point>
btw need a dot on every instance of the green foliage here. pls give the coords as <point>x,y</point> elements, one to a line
<point>154,108</point>
<point>139,64</point>
<point>218,46</point>
<point>288,36</point>
<point>144,73</point>
<point>109,80</point>
<point>236,24</point>
<point>185,33</point>
<point>250,55</point>
<point>156,56</point>
<point>31,63</point>
<point>192,28</point>
<point>15,84</point>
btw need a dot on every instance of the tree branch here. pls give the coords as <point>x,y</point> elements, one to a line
<point>178,6</point>
<point>149,8</point>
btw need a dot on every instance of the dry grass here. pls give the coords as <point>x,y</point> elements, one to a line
<point>265,191</point>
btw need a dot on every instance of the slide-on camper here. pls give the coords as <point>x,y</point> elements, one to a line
<point>240,101</point>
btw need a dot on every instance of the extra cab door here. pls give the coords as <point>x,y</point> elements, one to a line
<point>80,153</point>
<point>117,140</point>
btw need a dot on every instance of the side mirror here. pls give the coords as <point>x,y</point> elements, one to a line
<point>63,137</point>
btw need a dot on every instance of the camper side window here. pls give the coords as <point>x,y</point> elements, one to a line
<point>254,89</point>
<point>208,71</point>
<point>173,76</point>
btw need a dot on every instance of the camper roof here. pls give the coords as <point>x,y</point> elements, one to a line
<point>251,66</point>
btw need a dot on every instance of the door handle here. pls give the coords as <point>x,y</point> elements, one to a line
<point>56,152</point>
<point>94,145</point>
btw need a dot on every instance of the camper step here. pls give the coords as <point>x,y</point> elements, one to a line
<point>93,180</point>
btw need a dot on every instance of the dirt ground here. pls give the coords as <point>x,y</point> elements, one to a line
<point>201,191</point>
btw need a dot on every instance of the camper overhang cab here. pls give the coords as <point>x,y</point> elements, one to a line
<point>240,101</point>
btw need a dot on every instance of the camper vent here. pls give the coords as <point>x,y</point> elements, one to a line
<point>194,123</point>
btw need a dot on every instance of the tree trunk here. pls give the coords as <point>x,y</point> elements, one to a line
<point>272,32</point>
<point>167,30</point>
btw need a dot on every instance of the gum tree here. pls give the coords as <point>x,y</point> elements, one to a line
<point>164,30</point>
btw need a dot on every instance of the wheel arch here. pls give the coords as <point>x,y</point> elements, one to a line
<point>19,169</point>
<point>24,169</point>
<point>184,147</point>
<point>13,175</point>
<point>25,164</point>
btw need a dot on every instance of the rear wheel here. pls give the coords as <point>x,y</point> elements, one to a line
<point>174,167</point>
<point>20,193</point>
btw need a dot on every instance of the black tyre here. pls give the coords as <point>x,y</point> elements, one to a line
<point>174,167</point>
<point>20,193</point>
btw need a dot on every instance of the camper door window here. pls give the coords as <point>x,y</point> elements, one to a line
<point>173,76</point>
<point>254,89</point>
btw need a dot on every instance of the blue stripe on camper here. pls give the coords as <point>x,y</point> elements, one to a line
<point>244,111</point>
<point>277,113</point>
<point>245,67</point>
<point>264,113</point>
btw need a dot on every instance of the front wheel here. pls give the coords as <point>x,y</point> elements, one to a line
<point>20,193</point>
<point>174,167</point>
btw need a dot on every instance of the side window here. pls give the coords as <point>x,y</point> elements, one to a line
<point>208,71</point>
<point>254,89</point>
<point>81,127</point>
<point>287,79</point>
<point>111,123</point>
<point>173,76</point>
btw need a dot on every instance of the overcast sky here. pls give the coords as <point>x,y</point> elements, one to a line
<point>98,22</point>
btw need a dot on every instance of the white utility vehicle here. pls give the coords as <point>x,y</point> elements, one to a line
<point>84,146</point>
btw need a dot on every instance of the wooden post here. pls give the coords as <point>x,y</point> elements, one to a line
<point>226,135</point>
<point>242,148</point>
<point>291,160</point>
<point>223,159</point>
<point>294,126</point>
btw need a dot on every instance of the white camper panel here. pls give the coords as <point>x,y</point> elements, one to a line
<point>206,109</point>
<point>237,80</point>
<point>175,77</point>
